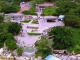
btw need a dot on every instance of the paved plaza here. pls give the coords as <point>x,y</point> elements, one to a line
<point>25,39</point>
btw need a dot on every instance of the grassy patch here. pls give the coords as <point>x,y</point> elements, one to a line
<point>26,21</point>
<point>49,11</point>
<point>32,33</point>
<point>35,22</point>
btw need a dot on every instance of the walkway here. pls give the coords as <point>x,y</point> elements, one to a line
<point>24,38</point>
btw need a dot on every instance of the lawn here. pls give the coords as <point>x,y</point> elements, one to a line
<point>32,33</point>
<point>35,22</point>
<point>49,11</point>
<point>26,21</point>
<point>76,39</point>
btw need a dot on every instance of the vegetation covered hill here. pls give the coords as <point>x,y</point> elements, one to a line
<point>67,37</point>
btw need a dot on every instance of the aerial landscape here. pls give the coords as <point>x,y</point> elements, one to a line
<point>39,29</point>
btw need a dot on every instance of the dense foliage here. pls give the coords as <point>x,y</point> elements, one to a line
<point>1,18</point>
<point>10,44</point>
<point>7,37</point>
<point>19,51</point>
<point>65,7</point>
<point>11,8</point>
<point>8,7</point>
<point>76,39</point>
<point>40,1</point>
<point>72,20</point>
<point>14,28</point>
<point>62,37</point>
<point>43,45</point>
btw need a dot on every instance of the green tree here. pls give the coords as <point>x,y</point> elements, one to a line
<point>11,44</point>
<point>77,11</point>
<point>7,37</point>
<point>4,36</point>
<point>43,45</point>
<point>65,6</point>
<point>19,51</point>
<point>1,18</point>
<point>72,20</point>
<point>62,37</point>
<point>14,28</point>
<point>0,9</point>
<point>11,8</point>
<point>37,1</point>
<point>1,34</point>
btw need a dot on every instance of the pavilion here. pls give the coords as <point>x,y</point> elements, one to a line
<point>51,57</point>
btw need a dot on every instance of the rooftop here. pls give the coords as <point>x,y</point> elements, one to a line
<point>51,57</point>
<point>47,17</point>
<point>46,4</point>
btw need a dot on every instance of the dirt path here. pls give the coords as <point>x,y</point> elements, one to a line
<point>24,8</point>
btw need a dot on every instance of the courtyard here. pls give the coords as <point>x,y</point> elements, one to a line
<point>25,39</point>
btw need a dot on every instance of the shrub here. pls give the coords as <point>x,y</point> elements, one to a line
<point>19,51</point>
<point>32,33</point>
<point>26,21</point>
<point>35,22</point>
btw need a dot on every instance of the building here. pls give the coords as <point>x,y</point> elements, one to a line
<point>50,18</point>
<point>51,57</point>
<point>14,16</point>
<point>41,7</point>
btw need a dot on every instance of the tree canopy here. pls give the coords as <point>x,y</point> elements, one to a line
<point>14,28</point>
<point>65,6</point>
<point>19,51</point>
<point>8,7</point>
<point>62,37</point>
<point>1,18</point>
<point>7,37</point>
<point>72,20</point>
<point>43,45</point>
<point>10,44</point>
